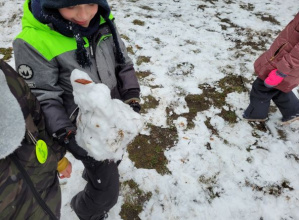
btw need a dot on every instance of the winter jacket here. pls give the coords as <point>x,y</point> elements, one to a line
<point>46,58</point>
<point>282,55</point>
<point>17,201</point>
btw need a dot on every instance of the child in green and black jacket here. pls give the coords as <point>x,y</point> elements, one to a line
<point>59,36</point>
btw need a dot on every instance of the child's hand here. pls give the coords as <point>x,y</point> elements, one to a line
<point>274,78</point>
<point>66,173</point>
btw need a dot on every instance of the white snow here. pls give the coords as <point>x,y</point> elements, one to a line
<point>247,173</point>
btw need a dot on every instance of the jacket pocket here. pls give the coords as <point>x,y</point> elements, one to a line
<point>263,66</point>
<point>278,51</point>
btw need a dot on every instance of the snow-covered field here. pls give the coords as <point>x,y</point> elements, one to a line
<point>218,169</point>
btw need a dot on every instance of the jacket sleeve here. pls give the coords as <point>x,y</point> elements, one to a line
<point>42,77</point>
<point>31,109</point>
<point>290,61</point>
<point>129,88</point>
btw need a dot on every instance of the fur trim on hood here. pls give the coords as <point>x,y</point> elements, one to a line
<point>12,123</point>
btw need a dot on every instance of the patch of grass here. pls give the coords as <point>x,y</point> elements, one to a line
<point>209,97</point>
<point>295,156</point>
<point>229,116</point>
<point>195,103</point>
<point>6,52</point>
<point>210,186</point>
<point>267,17</point>
<point>255,146</point>
<point>190,42</point>
<point>228,1</point>
<point>134,199</point>
<point>248,41</point>
<point>249,159</point>
<point>148,151</point>
<point>157,40</point>
<point>197,51</point>
<point>13,18</point>
<point>149,103</point>
<point>171,116</point>
<point>125,37</point>
<point>142,59</point>
<point>143,74</point>
<point>275,189</point>
<point>202,7</point>
<point>247,7</point>
<point>186,67</point>
<point>130,50</point>
<point>145,7</point>
<point>258,126</point>
<point>210,1</point>
<point>181,69</point>
<point>227,21</point>
<point>210,127</point>
<point>138,22</point>
<point>231,83</point>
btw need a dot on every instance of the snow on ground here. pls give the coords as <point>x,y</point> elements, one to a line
<point>246,173</point>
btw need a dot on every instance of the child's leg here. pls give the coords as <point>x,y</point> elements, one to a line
<point>260,97</point>
<point>100,193</point>
<point>287,103</point>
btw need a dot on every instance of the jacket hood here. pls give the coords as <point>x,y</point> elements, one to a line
<point>48,5</point>
<point>12,126</point>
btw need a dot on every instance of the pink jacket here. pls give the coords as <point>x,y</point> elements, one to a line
<point>282,55</point>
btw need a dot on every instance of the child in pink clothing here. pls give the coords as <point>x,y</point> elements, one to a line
<point>278,73</point>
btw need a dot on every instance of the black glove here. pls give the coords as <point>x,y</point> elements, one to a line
<point>66,138</point>
<point>78,152</point>
<point>135,106</point>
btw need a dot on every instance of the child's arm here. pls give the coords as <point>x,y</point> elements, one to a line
<point>42,76</point>
<point>130,89</point>
<point>274,78</point>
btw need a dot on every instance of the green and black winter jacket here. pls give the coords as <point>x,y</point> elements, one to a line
<point>17,201</point>
<point>45,58</point>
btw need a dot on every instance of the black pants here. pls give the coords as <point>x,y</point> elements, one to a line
<point>260,97</point>
<point>100,193</point>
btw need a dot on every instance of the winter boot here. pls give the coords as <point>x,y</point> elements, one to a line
<point>286,121</point>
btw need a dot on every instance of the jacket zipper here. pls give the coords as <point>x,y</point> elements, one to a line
<point>92,48</point>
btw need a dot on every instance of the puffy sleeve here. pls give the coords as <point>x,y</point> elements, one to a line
<point>42,77</point>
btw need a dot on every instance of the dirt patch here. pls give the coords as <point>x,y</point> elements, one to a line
<point>142,59</point>
<point>134,199</point>
<point>149,103</point>
<point>275,189</point>
<point>147,151</point>
<point>6,52</point>
<point>138,22</point>
<point>211,188</point>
